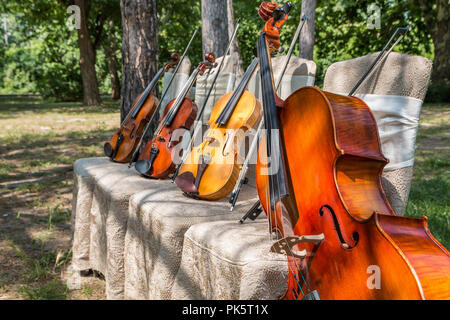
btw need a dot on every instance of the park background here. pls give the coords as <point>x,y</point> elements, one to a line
<point>64,90</point>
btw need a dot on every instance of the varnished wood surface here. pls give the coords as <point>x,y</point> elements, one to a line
<point>163,164</point>
<point>132,130</point>
<point>334,159</point>
<point>222,144</point>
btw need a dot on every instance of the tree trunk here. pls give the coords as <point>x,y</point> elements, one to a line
<point>109,46</point>
<point>91,96</point>
<point>440,33</point>
<point>307,34</point>
<point>139,49</point>
<point>235,46</point>
<point>214,26</point>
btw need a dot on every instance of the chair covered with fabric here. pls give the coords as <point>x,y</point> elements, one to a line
<point>394,92</point>
<point>226,82</point>
<point>299,73</point>
<point>178,82</point>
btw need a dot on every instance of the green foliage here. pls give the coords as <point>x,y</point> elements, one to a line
<point>249,28</point>
<point>341,29</point>
<point>438,93</point>
<point>176,28</point>
<point>342,32</point>
<point>43,57</point>
<point>43,54</point>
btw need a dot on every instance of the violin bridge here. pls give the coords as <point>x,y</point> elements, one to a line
<point>285,245</point>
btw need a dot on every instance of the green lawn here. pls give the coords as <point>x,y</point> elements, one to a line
<point>430,192</point>
<point>39,142</point>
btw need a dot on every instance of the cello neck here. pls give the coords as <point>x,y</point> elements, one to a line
<point>278,184</point>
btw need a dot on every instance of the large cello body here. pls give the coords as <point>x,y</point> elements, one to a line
<point>332,153</point>
<point>318,177</point>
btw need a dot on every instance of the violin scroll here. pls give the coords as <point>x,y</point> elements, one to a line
<point>174,60</point>
<point>210,62</point>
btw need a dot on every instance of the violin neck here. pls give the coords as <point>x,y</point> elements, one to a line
<point>180,98</point>
<point>148,90</point>
<point>231,104</point>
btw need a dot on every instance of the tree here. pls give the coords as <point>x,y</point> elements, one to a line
<point>307,35</point>
<point>91,95</point>
<point>214,26</point>
<point>235,45</point>
<point>437,21</point>
<point>109,46</point>
<point>139,49</point>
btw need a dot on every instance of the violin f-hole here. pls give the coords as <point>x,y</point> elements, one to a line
<point>337,227</point>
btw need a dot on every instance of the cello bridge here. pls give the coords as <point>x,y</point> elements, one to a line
<point>285,245</point>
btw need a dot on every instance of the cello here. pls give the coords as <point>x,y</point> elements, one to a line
<point>155,160</point>
<point>125,140</point>
<point>211,169</point>
<point>318,179</point>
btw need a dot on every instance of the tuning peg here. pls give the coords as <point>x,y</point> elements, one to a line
<point>210,57</point>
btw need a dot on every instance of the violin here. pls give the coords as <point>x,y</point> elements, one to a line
<point>124,141</point>
<point>211,170</point>
<point>318,178</point>
<point>155,160</point>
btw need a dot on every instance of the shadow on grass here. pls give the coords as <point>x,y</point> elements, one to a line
<point>41,163</point>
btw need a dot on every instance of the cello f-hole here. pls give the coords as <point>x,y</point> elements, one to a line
<point>337,227</point>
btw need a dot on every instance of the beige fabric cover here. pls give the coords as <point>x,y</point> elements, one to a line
<point>131,228</point>
<point>226,82</point>
<point>299,73</point>
<point>154,241</point>
<point>100,211</point>
<point>177,84</point>
<point>228,260</point>
<point>398,75</point>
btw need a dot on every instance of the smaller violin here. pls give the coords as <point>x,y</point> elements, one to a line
<point>124,141</point>
<point>155,160</point>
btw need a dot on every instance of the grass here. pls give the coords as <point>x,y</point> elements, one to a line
<point>39,142</point>
<point>53,290</point>
<point>430,190</point>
